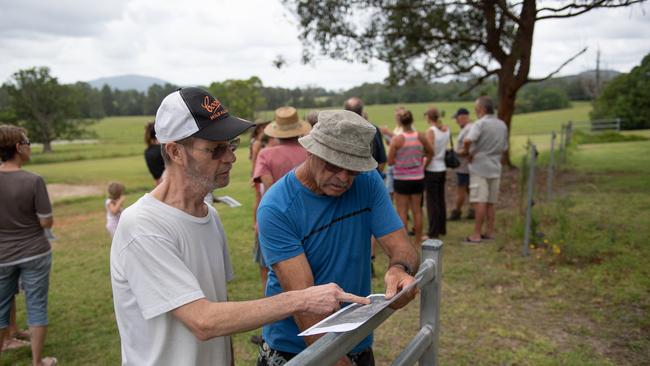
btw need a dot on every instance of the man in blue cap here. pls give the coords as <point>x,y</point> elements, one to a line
<point>462,172</point>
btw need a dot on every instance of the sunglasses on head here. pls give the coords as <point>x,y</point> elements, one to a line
<point>220,150</point>
<point>337,169</point>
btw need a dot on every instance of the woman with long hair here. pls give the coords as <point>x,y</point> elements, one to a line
<point>435,173</point>
<point>407,154</point>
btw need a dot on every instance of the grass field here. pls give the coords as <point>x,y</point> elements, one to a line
<point>585,304</point>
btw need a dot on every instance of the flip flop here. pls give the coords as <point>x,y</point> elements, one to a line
<point>488,238</point>
<point>49,361</point>
<point>14,343</point>
<point>22,334</point>
<point>468,240</point>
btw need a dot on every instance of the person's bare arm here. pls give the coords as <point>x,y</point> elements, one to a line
<point>402,255</point>
<point>46,222</point>
<point>395,144</point>
<point>466,145</point>
<point>206,319</point>
<point>267,180</point>
<point>428,149</point>
<point>295,274</point>
<point>431,137</point>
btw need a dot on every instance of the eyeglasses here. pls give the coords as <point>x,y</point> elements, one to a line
<point>337,169</point>
<point>220,150</point>
<point>26,142</point>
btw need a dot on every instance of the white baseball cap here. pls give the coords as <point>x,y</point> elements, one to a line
<point>194,112</point>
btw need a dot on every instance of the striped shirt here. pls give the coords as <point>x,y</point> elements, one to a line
<point>409,157</point>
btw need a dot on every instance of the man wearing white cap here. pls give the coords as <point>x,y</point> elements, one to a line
<point>169,260</point>
<point>315,226</point>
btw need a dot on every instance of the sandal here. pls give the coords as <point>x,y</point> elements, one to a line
<point>469,240</point>
<point>485,237</point>
<point>49,361</point>
<point>22,334</point>
<point>14,343</point>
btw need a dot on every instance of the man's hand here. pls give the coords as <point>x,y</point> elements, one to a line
<point>396,279</point>
<point>326,299</point>
<point>345,361</point>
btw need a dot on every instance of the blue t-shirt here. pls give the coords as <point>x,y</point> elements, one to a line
<point>333,232</point>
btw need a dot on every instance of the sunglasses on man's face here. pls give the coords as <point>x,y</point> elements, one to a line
<point>337,169</point>
<point>220,150</point>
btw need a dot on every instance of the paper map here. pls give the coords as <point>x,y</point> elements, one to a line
<point>354,315</point>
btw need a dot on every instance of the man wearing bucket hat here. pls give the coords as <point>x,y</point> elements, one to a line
<point>315,226</point>
<point>274,162</point>
<point>169,260</point>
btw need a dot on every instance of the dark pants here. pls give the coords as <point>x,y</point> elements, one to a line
<point>271,357</point>
<point>434,186</point>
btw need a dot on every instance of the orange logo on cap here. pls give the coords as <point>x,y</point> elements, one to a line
<point>212,106</point>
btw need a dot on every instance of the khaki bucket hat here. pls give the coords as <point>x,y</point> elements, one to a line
<point>287,124</point>
<point>342,138</point>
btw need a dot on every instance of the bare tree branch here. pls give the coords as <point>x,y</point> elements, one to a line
<point>535,80</point>
<point>583,9</point>
<point>478,81</point>
<point>504,8</point>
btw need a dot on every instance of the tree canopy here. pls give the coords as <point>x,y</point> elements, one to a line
<point>627,97</point>
<point>429,38</point>
<point>46,108</point>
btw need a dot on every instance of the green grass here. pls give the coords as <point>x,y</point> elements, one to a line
<point>587,305</point>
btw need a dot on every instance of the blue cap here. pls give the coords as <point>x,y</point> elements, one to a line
<point>461,111</point>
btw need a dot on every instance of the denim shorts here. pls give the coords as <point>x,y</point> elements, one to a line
<point>35,277</point>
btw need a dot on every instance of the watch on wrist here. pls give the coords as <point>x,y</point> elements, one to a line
<point>405,268</point>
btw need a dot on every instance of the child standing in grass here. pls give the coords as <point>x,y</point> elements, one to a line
<point>113,205</point>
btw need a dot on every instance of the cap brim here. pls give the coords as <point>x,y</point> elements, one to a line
<point>224,129</point>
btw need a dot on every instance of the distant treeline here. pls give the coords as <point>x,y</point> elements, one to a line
<point>246,97</point>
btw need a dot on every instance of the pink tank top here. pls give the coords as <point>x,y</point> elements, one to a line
<point>408,160</point>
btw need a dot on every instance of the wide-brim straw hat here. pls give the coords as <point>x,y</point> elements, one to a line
<point>287,124</point>
<point>342,138</point>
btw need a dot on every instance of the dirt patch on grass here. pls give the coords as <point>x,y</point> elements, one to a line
<point>61,191</point>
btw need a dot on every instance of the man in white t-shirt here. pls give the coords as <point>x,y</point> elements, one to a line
<point>484,145</point>
<point>169,259</point>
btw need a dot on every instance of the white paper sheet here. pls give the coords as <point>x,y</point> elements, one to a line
<point>353,316</point>
<point>229,201</point>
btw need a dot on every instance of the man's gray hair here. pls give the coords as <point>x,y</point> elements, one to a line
<point>355,105</point>
<point>166,158</point>
<point>486,103</point>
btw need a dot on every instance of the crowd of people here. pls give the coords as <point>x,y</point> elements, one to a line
<point>326,192</point>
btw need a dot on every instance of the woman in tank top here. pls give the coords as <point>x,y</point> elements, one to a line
<point>434,181</point>
<point>407,154</point>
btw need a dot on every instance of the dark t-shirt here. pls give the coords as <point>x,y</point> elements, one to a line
<point>23,199</point>
<point>378,150</point>
<point>155,162</point>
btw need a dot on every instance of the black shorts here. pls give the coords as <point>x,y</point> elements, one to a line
<point>462,179</point>
<point>409,186</point>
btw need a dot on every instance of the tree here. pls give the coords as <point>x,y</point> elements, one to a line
<point>47,109</point>
<point>155,94</point>
<point>429,38</point>
<point>626,97</point>
<point>242,97</point>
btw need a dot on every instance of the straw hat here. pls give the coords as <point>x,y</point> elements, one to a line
<point>342,138</point>
<point>287,124</point>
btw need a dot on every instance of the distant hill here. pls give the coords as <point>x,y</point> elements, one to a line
<point>125,82</point>
<point>605,75</point>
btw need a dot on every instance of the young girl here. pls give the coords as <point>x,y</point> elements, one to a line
<point>113,205</point>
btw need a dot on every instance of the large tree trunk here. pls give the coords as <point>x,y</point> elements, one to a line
<point>47,147</point>
<point>507,95</point>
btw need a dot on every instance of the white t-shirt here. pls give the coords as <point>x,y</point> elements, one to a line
<point>161,259</point>
<point>440,141</point>
<point>111,219</point>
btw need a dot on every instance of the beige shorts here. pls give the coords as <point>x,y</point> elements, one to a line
<point>482,189</point>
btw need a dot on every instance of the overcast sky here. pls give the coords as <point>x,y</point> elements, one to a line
<point>196,42</point>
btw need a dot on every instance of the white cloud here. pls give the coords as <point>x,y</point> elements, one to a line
<point>197,42</point>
